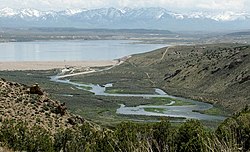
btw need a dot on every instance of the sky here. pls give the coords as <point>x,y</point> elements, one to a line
<point>172,5</point>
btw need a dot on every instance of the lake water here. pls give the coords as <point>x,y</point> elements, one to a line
<point>72,50</point>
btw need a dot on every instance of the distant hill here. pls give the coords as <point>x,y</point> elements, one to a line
<point>70,33</point>
<point>243,33</point>
<point>134,31</point>
<point>75,31</point>
<point>126,18</point>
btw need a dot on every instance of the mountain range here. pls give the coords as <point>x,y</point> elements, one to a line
<point>126,18</point>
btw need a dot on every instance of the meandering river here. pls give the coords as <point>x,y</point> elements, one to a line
<point>184,111</point>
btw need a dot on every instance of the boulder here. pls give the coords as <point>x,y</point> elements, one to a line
<point>35,89</point>
<point>169,75</point>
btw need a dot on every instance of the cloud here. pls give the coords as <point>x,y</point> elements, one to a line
<point>184,5</point>
<point>189,4</point>
<point>223,4</point>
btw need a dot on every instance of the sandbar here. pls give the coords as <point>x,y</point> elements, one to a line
<point>48,65</point>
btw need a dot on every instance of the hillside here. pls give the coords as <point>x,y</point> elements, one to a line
<point>33,106</point>
<point>213,73</point>
<point>216,73</point>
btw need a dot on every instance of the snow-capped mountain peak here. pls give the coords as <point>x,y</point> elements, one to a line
<point>220,17</point>
<point>176,15</point>
<point>5,12</point>
<point>30,13</point>
<point>154,17</point>
<point>153,12</point>
<point>71,12</point>
<point>230,16</point>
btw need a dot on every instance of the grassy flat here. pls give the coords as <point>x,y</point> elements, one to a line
<point>181,103</point>
<point>167,100</point>
<point>160,101</point>
<point>129,90</point>
<point>156,110</point>
<point>213,111</point>
<point>86,87</point>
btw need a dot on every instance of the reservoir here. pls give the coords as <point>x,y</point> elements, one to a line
<point>72,50</point>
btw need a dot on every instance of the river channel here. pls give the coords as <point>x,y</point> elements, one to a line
<point>168,110</point>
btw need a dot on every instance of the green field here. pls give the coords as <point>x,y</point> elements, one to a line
<point>116,90</point>
<point>157,110</point>
<point>214,111</point>
<point>166,101</point>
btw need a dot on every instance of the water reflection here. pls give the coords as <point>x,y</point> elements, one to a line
<point>72,50</point>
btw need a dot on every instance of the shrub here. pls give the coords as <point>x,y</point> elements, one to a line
<point>235,131</point>
<point>19,137</point>
<point>190,137</point>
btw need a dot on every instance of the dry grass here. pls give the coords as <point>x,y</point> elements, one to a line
<point>5,149</point>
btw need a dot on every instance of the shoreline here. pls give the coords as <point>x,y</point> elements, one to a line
<point>48,65</point>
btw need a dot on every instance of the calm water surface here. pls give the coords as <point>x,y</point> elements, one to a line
<point>72,50</point>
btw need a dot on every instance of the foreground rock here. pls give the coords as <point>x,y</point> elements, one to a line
<point>33,106</point>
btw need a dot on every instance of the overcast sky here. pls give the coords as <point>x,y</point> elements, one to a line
<point>178,5</point>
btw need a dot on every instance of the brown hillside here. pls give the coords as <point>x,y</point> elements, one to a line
<point>31,105</point>
<point>213,73</point>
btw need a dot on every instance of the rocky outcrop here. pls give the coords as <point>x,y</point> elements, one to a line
<point>233,64</point>
<point>244,79</point>
<point>169,75</point>
<point>61,109</point>
<point>35,89</point>
<point>215,70</point>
